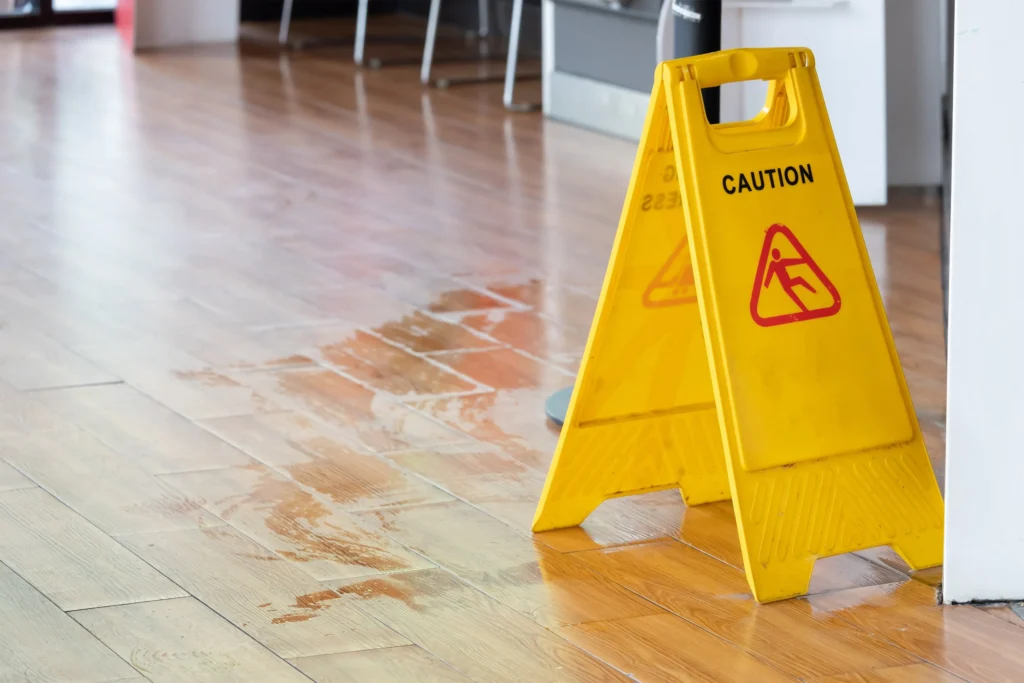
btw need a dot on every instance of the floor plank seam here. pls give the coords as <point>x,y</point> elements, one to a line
<point>41,390</point>
<point>56,606</point>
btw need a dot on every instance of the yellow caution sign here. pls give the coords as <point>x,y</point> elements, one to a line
<point>740,347</point>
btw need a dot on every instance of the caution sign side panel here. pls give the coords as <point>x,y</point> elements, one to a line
<point>642,416</point>
<point>653,300</point>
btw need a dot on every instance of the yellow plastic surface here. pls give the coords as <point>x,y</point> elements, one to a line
<point>740,345</point>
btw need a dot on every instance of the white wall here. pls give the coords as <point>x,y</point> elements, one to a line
<point>848,40</point>
<point>985,411</point>
<point>913,50</point>
<point>915,81</point>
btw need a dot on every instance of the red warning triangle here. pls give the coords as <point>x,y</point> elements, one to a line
<point>673,285</point>
<point>789,285</point>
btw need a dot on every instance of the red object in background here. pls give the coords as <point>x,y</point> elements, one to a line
<point>124,16</point>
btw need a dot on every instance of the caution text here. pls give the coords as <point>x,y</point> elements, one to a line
<point>769,178</point>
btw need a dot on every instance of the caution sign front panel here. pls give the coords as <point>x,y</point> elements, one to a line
<point>794,303</point>
<point>740,345</point>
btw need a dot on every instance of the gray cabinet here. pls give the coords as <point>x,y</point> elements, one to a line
<point>599,63</point>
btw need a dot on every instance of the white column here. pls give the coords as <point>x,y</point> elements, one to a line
<point>985,412</point>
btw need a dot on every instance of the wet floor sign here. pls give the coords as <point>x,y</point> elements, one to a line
<point>740,348</point>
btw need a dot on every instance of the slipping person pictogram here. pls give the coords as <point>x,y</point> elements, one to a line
<point>817,300</point>
<point>673,284</point>
<point>779,268</point>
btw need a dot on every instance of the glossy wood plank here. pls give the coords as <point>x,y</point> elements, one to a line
<point>887,557</point>
<point>452,464</point>
<point>38,642</point>
<point>531,333</point>
<point>132,423</point>
<point>664,648</point>
<point>622,521</point>
<point>210,338</point>
<point>30,360</point>
<point>713,595</point>
<point>388,665</point>
<point>506,369</point>
<point>69,560</point>
<point>362,305</point>
<point>11,479</point>
<point>296,523</point>
<point>843,572</point>
<point>292,345</point>
<point>508,490</point>
<point>712,528</point>
<point>504,487</point>
<point>960,639</point>
<point>373,421</point>
<point>441,294</point>
<point>382,366</point>
<point>571,307</point>
<point>913,673</point>
<point>110,489</point>
<point>21,413</point>
<point>505,419</point>
<point>282,438</point>
<point>421,332</point>
<point>481,474</point>
<point>365,265</point>
<point>184,641</point>
<point>178,380</point>
<point>275,603</point>
<point>549,587</point>
<point>316,455</point>
<point>468,630</point>
<point>1003,612</point>
<point>246,300</point>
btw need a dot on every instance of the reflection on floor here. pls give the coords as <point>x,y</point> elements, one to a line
<point>275,337</point>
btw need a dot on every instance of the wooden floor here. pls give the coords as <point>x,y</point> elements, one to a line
<point>275,337</point>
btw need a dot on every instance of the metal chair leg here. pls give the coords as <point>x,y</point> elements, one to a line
<point>511,57</point>
<point>428,45</point>
<point>483,45</point>
<point>483,30</point>
<point>360,42</point>
<point>484,18</point>
<point>512,61</point>
<point>286,22</point>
